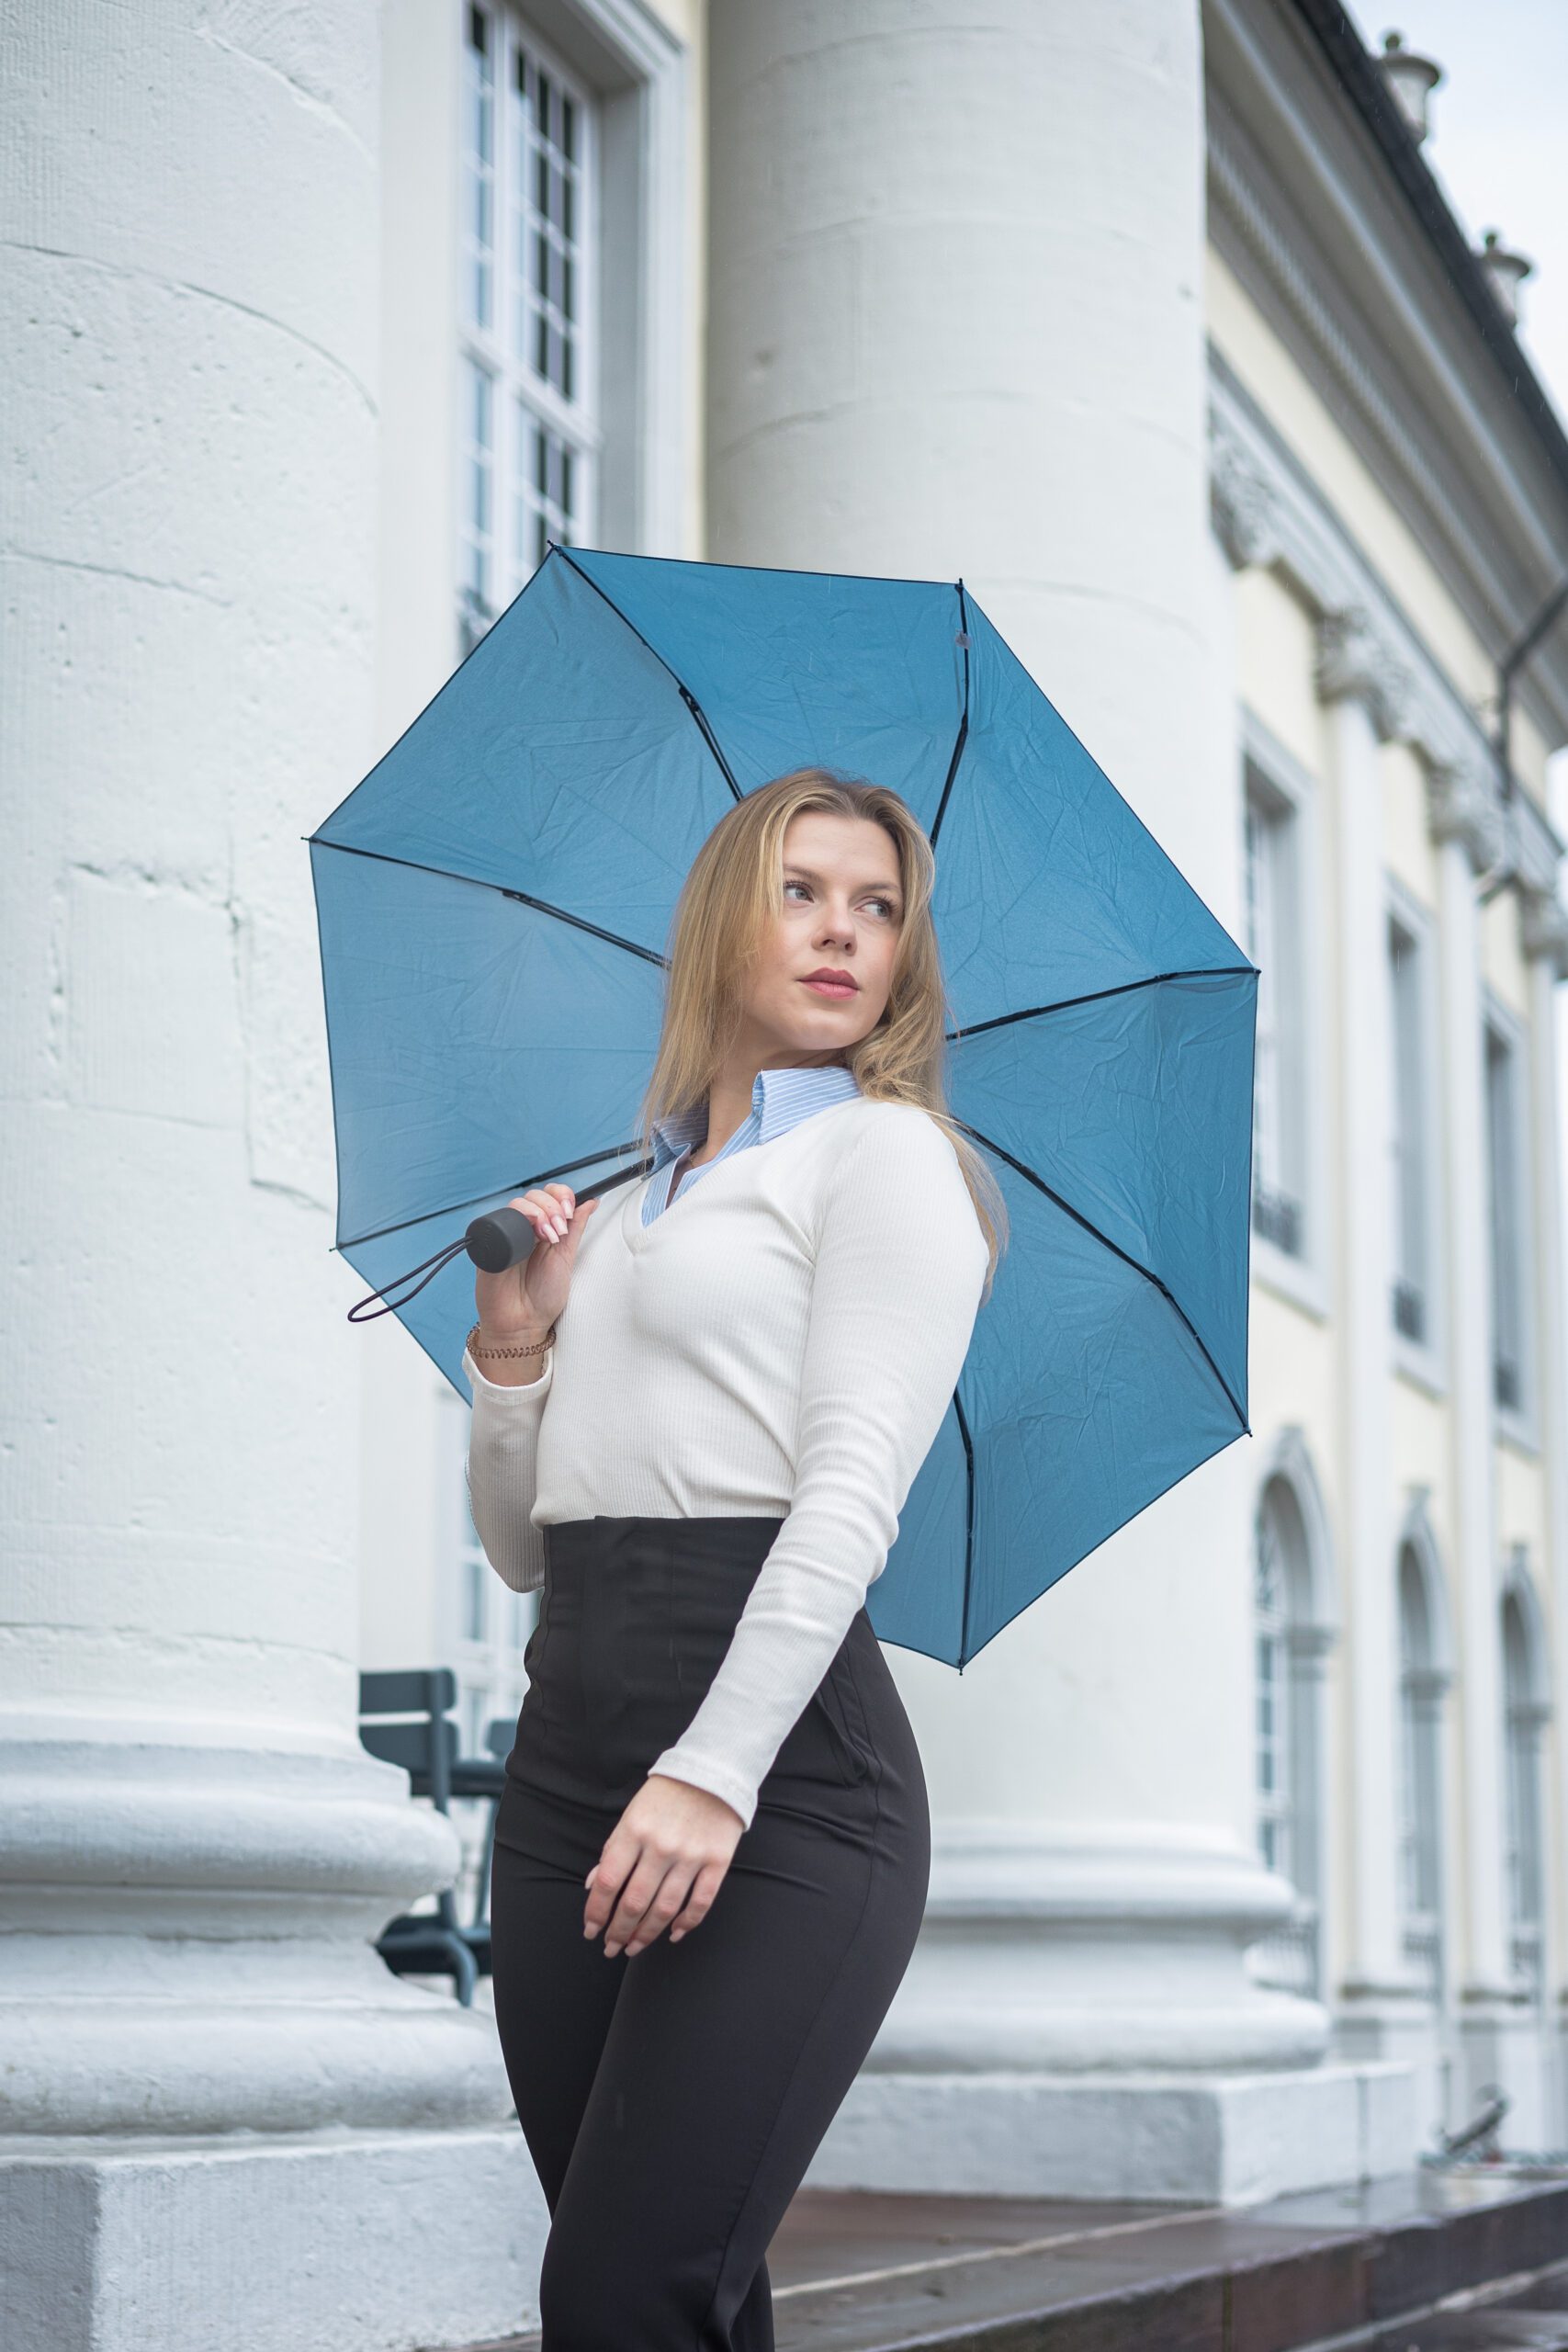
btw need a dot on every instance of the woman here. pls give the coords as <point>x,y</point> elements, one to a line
<point>701,1461</point>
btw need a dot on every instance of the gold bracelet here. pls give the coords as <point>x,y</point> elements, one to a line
<point>537,1347</point>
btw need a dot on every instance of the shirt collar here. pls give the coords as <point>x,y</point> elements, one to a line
<point>779,1097</point>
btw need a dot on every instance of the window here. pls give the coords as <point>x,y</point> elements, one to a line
<point>1421,1687</point>
<point>530,438</point>
<point>1523,1718</point>
<point>1508,1216</point>
<point>1274,944</point>
<point>1410,1157</point>
<point>1286,1737</point>
<point>1271,1625</point>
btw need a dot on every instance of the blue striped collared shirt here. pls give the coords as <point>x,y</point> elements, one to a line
<point>779,1098</point>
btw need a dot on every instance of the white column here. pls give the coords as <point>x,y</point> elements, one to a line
<point>1365,691</point>
<point>951,332</point>
<point>216,2098</point>
<point>1464,821</point>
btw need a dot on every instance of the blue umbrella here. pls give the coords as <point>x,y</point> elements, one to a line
<point>493,903</point>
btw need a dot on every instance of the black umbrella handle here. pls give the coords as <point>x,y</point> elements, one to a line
<point>499,1238</point>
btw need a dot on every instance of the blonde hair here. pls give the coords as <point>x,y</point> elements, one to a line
<point>724,915</point>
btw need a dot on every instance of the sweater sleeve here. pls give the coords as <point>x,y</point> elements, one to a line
<point>504,1438</point>
<point>901,1264</point>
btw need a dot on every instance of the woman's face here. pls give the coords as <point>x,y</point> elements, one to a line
<point>842,909</point>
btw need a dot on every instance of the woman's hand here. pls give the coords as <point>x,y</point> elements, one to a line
<point>526,1298</point>
<point>665,1859</point>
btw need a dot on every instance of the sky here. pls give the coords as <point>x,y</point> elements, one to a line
<point>1498,140</point>
<point>1498,145</point>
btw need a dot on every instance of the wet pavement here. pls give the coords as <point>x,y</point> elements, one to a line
<point>857,2271</point>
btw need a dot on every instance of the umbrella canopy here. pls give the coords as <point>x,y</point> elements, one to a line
<point>494,901</point>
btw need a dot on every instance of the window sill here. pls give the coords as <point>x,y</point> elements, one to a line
<point>1422,1366</point>
<point>1293,1279</point>
<point>1515,1429</point>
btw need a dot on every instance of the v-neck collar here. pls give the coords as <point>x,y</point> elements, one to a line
<point>638,1237</point>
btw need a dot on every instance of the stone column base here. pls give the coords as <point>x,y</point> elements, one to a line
<point>1221,2139</point>
<point>330,2241</point>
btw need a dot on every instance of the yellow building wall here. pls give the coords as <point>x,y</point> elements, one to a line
<point>1296,1366</point>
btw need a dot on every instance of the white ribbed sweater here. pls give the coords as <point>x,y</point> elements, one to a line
<point>783,1338</point>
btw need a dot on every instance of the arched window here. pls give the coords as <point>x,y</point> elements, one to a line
<point>1289,1643</point>
<point>1422,1683</point>
<point>1525,1712</point>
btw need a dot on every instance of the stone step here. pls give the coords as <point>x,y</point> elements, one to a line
<point>858,2271</point>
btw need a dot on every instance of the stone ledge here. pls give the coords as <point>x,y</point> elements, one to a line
<point>285,2241</point>
<point>1220,2139</point>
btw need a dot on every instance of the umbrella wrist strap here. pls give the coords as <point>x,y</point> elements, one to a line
<point>434,1265</point>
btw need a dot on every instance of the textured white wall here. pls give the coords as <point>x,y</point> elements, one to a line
<point>197,1849</point>
<point>190,309</point>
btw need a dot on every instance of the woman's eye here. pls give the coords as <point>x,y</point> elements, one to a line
<point>885,903</point>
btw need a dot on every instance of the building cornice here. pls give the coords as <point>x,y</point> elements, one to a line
<point>1357,71</point>
<point>1306,209</point>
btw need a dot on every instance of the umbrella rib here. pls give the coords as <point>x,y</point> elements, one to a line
<point>1094,996</point>
<point>523,1184</point>
<point>523,898</point>
<point>969,1522</point>
<point>962,716</point>
<point>687,696</point>
<point>1126,1257</point>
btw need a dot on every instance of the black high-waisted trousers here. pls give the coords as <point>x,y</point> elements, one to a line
<point>672,2098</point>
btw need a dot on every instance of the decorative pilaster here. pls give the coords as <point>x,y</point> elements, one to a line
<point>1367,691</point>
<point>1241,502</point>
<point>1464,823</point>
<point>1463,807</point>
<point>1543,930</point>
<point>1355,665</point>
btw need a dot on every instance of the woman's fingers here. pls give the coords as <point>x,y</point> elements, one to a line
<point>638,1897</point>
<point>548,1207</point>
<point>657,1892</point>
<point>664,1908</point>
<point>658,1869</point>
<point>699,1903</point>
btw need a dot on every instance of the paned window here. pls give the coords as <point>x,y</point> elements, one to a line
<point>530,425</point>
<point>1280,1084</point>
<point>1410,1154</point>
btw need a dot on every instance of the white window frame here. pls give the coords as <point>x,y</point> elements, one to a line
<point>1518,1423</point>
<point>1293,1957</point>
<point>520,400</point>
<point>1422,1361</point>
<point>1423,1681</point>
<point>636,71</point>
<point>1527,1715</point>
<point>1302,1278</point>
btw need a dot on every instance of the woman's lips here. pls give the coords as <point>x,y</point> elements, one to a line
<point>831,988</point>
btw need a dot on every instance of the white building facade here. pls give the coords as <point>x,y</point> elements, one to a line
<point>1251,1840</point>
